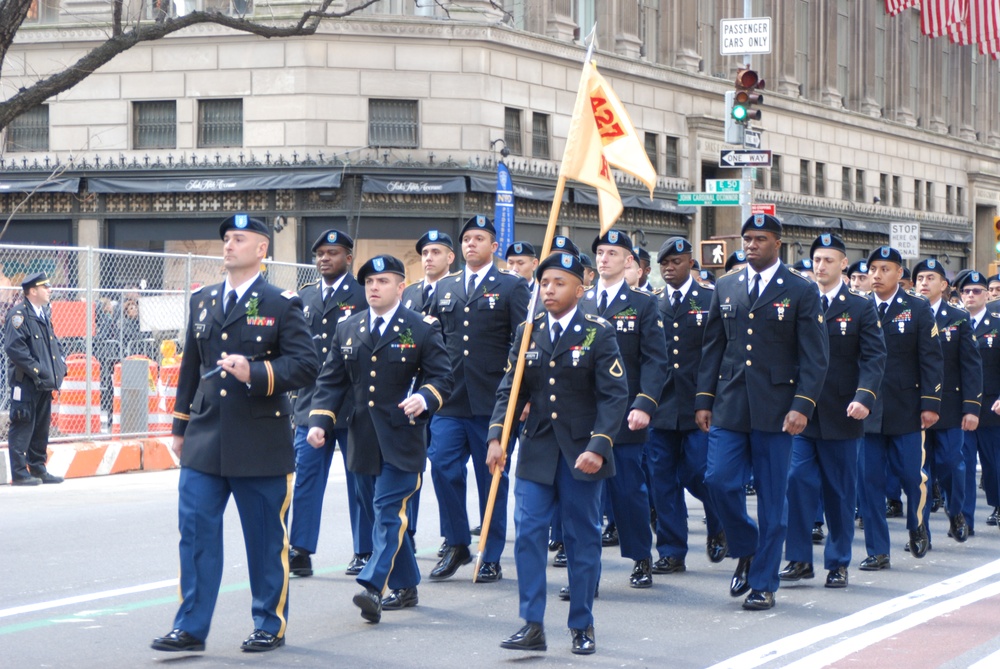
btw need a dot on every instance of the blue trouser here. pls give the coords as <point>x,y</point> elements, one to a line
<point>825,470</point>
<point>903,454</point>
<point>945,459</point>
<point>312,468</point>
<point>28,439</point>
<point>985,440</point>
<point>731,456</point>
<point>263,503</point>
<point>677,460</point>
<point>393,564</point>
<point>580,511</point>
<point>455,441</point>
<point>630,501</point>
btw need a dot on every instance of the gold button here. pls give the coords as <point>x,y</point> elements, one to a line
<point>373,373</point>
<point>465,337</point>
<point>467,310</point>
<point>465,352</point>
<point>751,316</point>
<point>374,358</point>
<point>676,366</point>
<point>554,415</point>
<point>223,375</point>
<point>371,403</point>
<point>403,358</point>
<point>371,389</point>
<point>676,352</point>
<point>324,349</point>
<point>224,354</point>
<point>225,336</point>
<point>466,323</point>
<point>223,392</point>
<point>749,331</point>
<point>552,382</point>
<point>749,347</point>
<point>324,335</point>
<point>676,338</point>
<point>552,363</point>
<point>277,413</point>
<point>552,398</point>
<point>258,337</point>
<point>677,325</point>
<point>749,363</point>
<point>324,323</point>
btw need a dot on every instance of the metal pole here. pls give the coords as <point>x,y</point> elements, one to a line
<point>746,187</point>
<point>89,313</point>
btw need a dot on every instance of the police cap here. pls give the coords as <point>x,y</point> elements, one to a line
<point>32,280</point>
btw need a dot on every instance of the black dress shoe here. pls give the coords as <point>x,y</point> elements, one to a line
<point>610,535</point>
<point>875,563</point>
<point>476,531</point>
<point>741,577</point>
<point>560,559</point>
<point>959,528</point>
<point>583,641</point>
<point>260,641</point>
<point>994,517</point>
<point>299,562</point>
<point>920,543</point>
<point>893,509</point>
<point>797,571</point>
<point>668,565</point>
<point>937,500</point>
<point>370,603</point>
<point>454,557</point>
<point>357,563</point>
<point>489,572</point>
<point>403,598</point>
<point>642,575</point>
<point>930,546</point>
<point>749,490</point>
<point>564,592</point>
<point>529,637</point>
<point>30,480</point>
<point>837,578</point>
<point>555,546</point>
<point>49,478</point>
<point>177,640</point>
<point>716,547</point>
<point>443,549</point>
<point>817,534</point>
<point>759,600</point>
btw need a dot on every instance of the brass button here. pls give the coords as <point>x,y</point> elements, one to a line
<point>324,335</point>
<point>466,352</point>
<point>466,323</point>
<point>223,375</point>
<point>676,338</point>
<point>277,413</point>
<point>749,347</point>
<point>371,389</point>
<point>371,403</point>
<point>403,358</point>
<point>258,337</point>
<point>324,323</point>
<point>554,415</point>
<point>223,392</point>
<point>467,310</point>
<point>373,373</point>
<point>225,336</point>
<point>224,354</point>
<point>749,363</point>
<point>749,331</point>
<point>552,382</point>
<point>465,337</point>
<point>677,325</point>
<point>552,363</point>
<point>751,316</point>
<point>374,358</point>
<point>324,349</point>
<point>676,352</point>
<point>676,366</point>
<point>552,398</point>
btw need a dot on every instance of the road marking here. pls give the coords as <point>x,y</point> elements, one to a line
<point>80,599</point>
<point>989,662</point>
<point>796,642</point>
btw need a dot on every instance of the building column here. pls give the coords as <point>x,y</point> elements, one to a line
<point>286,241</point>
<point>935,60</point>
<point>899,55</point>
<point>559,22</point>
<point>784,26</point>
<point>88,233</point>
<point>866,52</point>
<point>827,70</point>
<point>627,42</point>
<point>966,123</point>
<point>679,37</point>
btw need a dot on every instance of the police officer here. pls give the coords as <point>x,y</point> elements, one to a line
<point>247,345</point>
<point>961,396</point>
<point>480,310</point>
<point>763,362</point>
<point>394,363</point>
<point>521,260</point>
<point>857,273</point>
<point>908,401</point>
<point>35,367</point>
<point>575,380</point>
<point>334,297</point>
<point>437,253</point>
<point>825,456</point>
<point>633,316</point>
<point>677,451</point>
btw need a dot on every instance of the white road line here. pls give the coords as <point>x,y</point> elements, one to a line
<point>80,599</point>
<point>796,642</point>
<point>989,662</point>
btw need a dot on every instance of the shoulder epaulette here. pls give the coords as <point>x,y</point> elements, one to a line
<point>856,292</point>
<point>289,294</point>
<point>799,274</point>
<point>540,315</point>
<point>658,291</point>
<point>508,271</point>
<point>455,273</point>
<point>593,318</point>
<point>734,270</point>
<point>310,283</point>
<point>710,286</point>
<point>430,319</point>
<point>916,294</point>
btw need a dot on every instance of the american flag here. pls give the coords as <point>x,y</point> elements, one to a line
<point>963,21</point>
<point>893,7</point>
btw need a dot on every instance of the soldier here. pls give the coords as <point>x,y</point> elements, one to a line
<point>437,253</point>
<point>908,401</point>
<point>763,362</point>
<point>634,318</point>
<point>644,263</point>
<point>35,367</point>
<point>736,261</point>
<point>575,381</point>
<point>677,451</point>
<point>247,346</point>
<point>825,456</point>
<point>804,266</point>
<point>994,287</point>
<point>480,310</point>
<point>961,397</point>
<point>705,278</point>
<point>521,260</point>
<point>858,275</point>
<point>589,272</point>
<point>394,362</point>
<point>326,302</point>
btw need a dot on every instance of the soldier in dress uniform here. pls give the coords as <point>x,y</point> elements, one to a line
<point>736,261</point>
<point>247,346</point>
<point>645,264</point>
<point>480,310</point>
<point>825,456</point>
<point>677,451</point>
<point>635,320</point>
<point>575,380</point>
<point>437,253</point>
<point>994,287</point>
<point>804,266</point>
<point>394,363</point>
<point>326,302</point>
<point>908,402</point>
<point>705,278</point>
<point>857,274</point>
<point>589,271</point>
<point>521,260</point>
<point>763,363</point>
<point>36,366</point>
<point>961,397</point>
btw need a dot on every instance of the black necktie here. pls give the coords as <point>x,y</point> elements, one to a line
<point>556,333</point>
<point>882,308</point>
<point>826,303</point>
<point>428,289</point>
<point>754,289</point>
<point>677,299</point>
<point>377,329</point>
<point>472,286</point>
<point>326,295</point>
<point>230,301</point>
<point>603,306</point>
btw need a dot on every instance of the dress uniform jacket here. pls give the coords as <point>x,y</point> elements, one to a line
<point>913,370</point>
<point>409,357</point>
<point>413,296</point>
<point>230,428</point>
<point>857,361</point>
<point>988,342</point>
<point>33,352</point>
<point>322,322</point>
<point>634,318</point>
<point>478,344</point>
<point>578,394</point>
<point>684,329</point>
<point>963,371</point>
<point>763,360</point>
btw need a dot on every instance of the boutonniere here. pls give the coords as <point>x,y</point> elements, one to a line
<point>844,317</point>
<point>343,305</point>
<point>627,313</point>
<point>991,333</point>
<point>695,307</point>
<point>784,303</point>
<point>252,308</point>
<point>406,339</point>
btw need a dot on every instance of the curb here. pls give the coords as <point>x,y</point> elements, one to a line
<point>101,458</point>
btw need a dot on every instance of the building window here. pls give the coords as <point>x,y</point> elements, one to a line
<point>42,11</point>
<point>959,201</point>
<point>759,178</point>
<point>512,130</point>
<point>929,196</point>
<point>393,124</point>
<point>949,194</point>
<point>653,150</point>
<point>540,135</point>
<point>845,183</point>
<point>883,188</point>
<point>897,192</point>
<point>673,157</point>
<point>220,123</point>
<point>917,191</point>
<point>804,185</point>
<point>776,173</point>
<point>821,179</point>
<point>29,131</point>
<point>155,125</point>
<point>859,185</point>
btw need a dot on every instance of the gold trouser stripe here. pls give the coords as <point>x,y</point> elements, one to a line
<point>928,397</point>
<point>284,555</point>
<point>807,399</point>
<point>403,525</point>
<point>655,403</point>
<point>435,392</point>
<point>923,479</point>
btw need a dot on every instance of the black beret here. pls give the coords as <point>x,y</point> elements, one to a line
<point>381,265</point>
<point>707,275</point>
<point>929,265</point>
<point>828,241</point>
<point>478,222</point>
<point>762,222</point>
<point>642,254</point>
<point>886,253</point>
<point>566,262</point>
<point>434,237</point>
<point>906,273</point>
<point>586,261</point>
<point>675,246</point>
<point>994,278</point>
<point>860,267</point>
<point>973,278</point>
<point>695,264</point>
<point>334,238</point>
<point>737,257</point>
<point>960,276</point>
<point>563,244</point>
<point>245,223</point>
<point>520,249</point>
<point>613,237</point>
<point>803,265</point>
<point>32,280</point>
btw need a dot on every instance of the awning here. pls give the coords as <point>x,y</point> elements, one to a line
<point>945,235</point>
<point>409,185</point>
<point>583,195</point>
<point>810,221</point>
<point>521,190</point>
<point>40,185</point>
<point>866,226</point>
<point>291,180</point>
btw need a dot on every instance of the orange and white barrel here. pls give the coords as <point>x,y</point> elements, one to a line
<point>74,403</point>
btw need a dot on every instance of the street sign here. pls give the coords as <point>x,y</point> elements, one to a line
<point>751,139</point>
<point>745,158</point>
<point>709,199</point>
<point>722,185</point>
<point>905,238</point>
<point>742,36</point>
<point>713,253</point>
<point>762,209</point>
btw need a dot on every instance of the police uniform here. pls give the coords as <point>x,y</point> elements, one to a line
<point>36,366</point>
<point>323,307</point>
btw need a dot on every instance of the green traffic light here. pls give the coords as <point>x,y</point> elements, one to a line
<point>740,115</point>
<point>998,247</point>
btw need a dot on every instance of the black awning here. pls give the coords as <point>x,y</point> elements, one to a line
<point>40,185</point>
<point>866,226</point>
<point>411,186</point>
<point>521,190</point>
<point>292,180</point>
<point>811,221</point>
<point>945,235</point>
<point>584,195</point>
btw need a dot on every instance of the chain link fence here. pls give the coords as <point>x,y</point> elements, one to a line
<point>107,306</point>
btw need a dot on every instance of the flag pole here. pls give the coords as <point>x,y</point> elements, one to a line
<point>515,390</point>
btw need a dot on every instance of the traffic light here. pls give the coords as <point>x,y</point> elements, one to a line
<point>996,232</point>
<point>744,97</point>
<point>735,132</point>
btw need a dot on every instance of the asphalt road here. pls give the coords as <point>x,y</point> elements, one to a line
<point>90,572</point>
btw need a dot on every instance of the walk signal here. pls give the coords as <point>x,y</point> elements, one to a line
<point>744,97</point>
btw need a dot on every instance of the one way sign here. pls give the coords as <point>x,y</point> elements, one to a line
<point>757,158</point>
